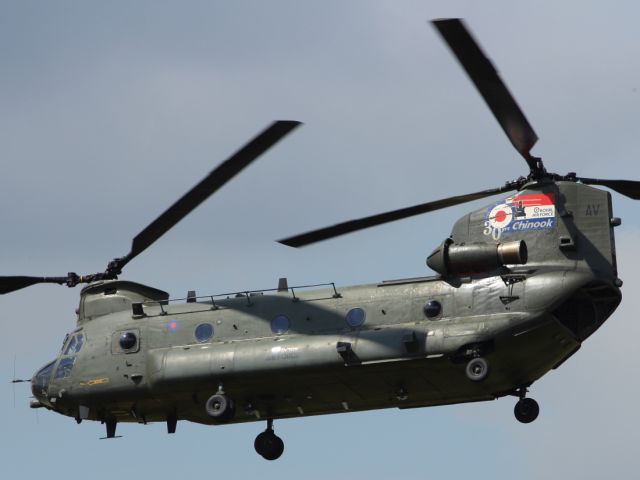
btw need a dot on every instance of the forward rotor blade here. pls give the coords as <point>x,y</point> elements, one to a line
<point>212,182</point>
<point>628,188</point>
<point>491,87</point>
<point>379,219</point>
<point>11,284</point>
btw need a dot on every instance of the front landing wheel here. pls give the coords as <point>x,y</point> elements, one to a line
<point>220,407</point>
<point>477,369</point>
<point>526,410</point>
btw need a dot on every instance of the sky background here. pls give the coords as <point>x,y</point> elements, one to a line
<point>110,111</point>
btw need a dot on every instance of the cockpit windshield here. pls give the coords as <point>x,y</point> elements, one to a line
<point>65,366</point>
<point>40,380</point>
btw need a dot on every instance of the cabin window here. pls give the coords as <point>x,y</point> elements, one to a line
<point>355,317</point>
<point>204,332</point>
<point>432,309</point>
<point>125,341</point>
<point>128,340</point>
<point>280,324</point>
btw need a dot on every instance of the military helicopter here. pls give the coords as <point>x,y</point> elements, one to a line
<point>520,284</point>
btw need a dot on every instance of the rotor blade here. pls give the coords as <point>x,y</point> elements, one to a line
<point>490,85</point>
<point>212,182</point>
<point>381,218</point>
<point>11,284</point>
<point>628,188</point>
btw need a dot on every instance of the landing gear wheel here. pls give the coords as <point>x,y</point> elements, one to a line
<point>526,410</point>
<point>477,369</point>
<point>220,407</point>
<point>268,444</point>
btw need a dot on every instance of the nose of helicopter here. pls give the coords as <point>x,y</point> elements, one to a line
<point>40,383</point>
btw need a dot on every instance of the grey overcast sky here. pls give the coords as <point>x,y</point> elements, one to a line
<point>109,111</point>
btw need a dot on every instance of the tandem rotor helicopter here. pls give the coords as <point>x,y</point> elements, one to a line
<point>521,283</point>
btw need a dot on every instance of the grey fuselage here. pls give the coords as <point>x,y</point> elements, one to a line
<point>524,319</point>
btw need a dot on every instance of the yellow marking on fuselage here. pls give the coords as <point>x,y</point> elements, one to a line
<point>95,381</point>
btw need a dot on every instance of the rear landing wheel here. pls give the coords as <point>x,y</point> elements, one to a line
<point>526,410</point>
<point>268,444</point>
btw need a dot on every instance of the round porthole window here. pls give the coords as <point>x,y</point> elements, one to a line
<point>355,317</point>
<point>432,308</point>
<point>280,324</point>
<point>204,332</point>
<point>128,340</point>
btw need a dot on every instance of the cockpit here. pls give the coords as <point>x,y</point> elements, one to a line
<point>63,366</point>
<point>40,381</point>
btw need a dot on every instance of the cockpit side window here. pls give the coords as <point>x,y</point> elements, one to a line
<point>71,348</point>
<point>64,342</point>
<point>74,345</point>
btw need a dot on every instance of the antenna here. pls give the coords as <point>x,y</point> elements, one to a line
<point>16,380</point>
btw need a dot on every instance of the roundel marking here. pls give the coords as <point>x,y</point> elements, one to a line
<point>172,326</point>
<point>501,215</point>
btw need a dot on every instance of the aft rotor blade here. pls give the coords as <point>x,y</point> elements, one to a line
<point>491,87</point>
<point>11,284</point>
<point>628,188</point>
<point>212,182</point>
<point>379,219</point>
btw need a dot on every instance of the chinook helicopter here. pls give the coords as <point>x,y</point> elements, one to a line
<point>520,284</point>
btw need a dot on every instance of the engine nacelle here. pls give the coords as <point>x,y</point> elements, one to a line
<point>452,259</point>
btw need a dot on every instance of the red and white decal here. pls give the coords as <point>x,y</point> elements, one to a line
<point>501,215</point>
<point>536,211</point>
